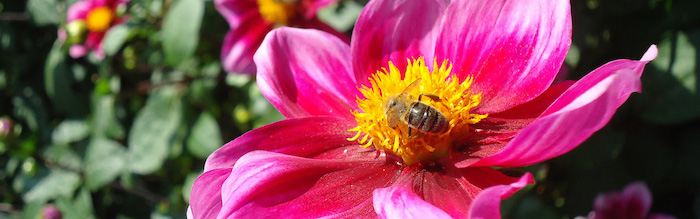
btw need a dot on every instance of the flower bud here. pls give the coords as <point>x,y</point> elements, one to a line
<point>77,30</point>
<point>51,212</point>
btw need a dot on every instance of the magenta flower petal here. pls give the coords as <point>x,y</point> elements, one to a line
<point>304,137</point>
<point>399,201</point>
<point>446,189</point>
<point>488,203</point>
<point>394,31</point>
<point>265,184</point>
<point>633,202</point>
<point>454,191</point>
<point>580,111</point>
<point>512,49</point>
<point>493,133</point>
<point>311,7</point>
<point>298,87</point>
<point>241,42</point>
<point>78,14</point>
<point>77,51</point>
<point>205,198</point>
<point>79,10</point>
<point>235,11</point>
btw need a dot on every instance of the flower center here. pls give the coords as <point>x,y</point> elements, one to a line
<point>99,19</point>
<point>418,117</point>
<point>277,12</point>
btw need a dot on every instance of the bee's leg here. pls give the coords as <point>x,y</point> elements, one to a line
<point>418,135</point>
<point>431,96</point>
<point>409,131</point>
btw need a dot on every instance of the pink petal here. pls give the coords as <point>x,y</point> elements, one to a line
<point>488,203</point>
<point>436,186</point>
<point>305,72</point>
<point>242,41</point>
<point>580,111</point>
<point>77,51</point>
<point>306,137</point>
<point>638,198</point>
<point>311,7</point>
<point>512,49</point>
<point>492,134</point>
<point>79,10</point>
<point>633,202</point>
<point>205,196</point>
<point>454,190</point>
<point>660,216</point>
<point>265,184</point>
<point>399,201</point>
<point>235,11</point>
<point>394,31</point>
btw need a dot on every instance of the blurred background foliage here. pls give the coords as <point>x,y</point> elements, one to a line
<point>126,136</point>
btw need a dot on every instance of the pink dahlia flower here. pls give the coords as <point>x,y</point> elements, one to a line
<point>51,212</point>
<point>346,148</point>
<point>251,20</point>
<point>88,21</point>
<point>633,202</point>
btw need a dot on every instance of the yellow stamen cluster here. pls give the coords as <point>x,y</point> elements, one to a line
<point>99,19</point>
<point>277,12</point>
<point>455,101</point>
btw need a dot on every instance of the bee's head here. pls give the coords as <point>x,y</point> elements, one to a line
<point>394,103</point>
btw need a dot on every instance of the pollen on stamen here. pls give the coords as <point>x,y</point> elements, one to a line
<point>277,12</point>
<point>99,19</point>
<point>454,102</point>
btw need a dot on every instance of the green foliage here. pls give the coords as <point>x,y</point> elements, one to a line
<point>59,183</point>
<point>181,30</point>
<point>154,127</point>
<point>105,160</point>
<point>115,38</point>
<point>205,136</point>
<point>44,12</point>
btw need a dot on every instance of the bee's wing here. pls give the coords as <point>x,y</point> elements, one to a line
<point>392,117</point>
<point>411,86</point>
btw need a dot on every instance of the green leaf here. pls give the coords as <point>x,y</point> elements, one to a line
<point>105,122</point>
<point>70,131</point>
<point>83,203</point>
<point>60,84</point>
<point>30,108</point>
<point>57,183</point>
<point>341,15</point>
<point>205,136</point>
<point>105,160</point>
<point>154,127</point>
<point>115,38</point>
<point>64,156</point>
<point>66,208</point>
<point>263,110</point>
<point>181,30</point>
<point>32,210</point>
<point>44,12</point>
<point>80,207</point>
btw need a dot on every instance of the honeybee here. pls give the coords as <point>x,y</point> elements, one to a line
<point>416,114</point>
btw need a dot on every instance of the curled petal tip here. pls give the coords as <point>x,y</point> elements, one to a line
<point>650,54</point>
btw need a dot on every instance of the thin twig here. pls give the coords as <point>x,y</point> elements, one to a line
<point>145,194</point>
